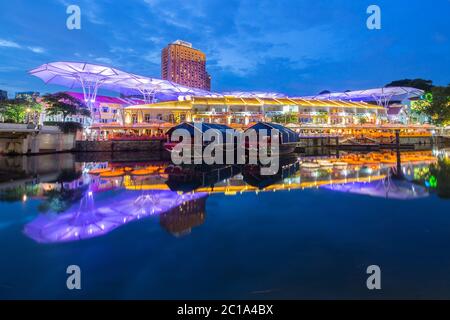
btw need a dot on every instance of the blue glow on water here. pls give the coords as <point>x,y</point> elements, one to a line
<point>291,243</point>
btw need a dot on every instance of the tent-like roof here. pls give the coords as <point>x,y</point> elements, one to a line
<point>91,77</point>
<point>379,95</point>
<point>107,99</point>
<point>254,94</point>
<point>202,127</point>
<point>259,102</point>
<point>287,135</point>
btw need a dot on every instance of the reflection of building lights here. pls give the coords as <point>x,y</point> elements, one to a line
<point>24,198</point>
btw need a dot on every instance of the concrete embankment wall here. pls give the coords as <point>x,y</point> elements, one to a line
<point>118,146</point>
<point>21,139</point>
<point>331,141</point>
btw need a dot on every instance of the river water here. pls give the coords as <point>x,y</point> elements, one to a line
<point>163,232</point>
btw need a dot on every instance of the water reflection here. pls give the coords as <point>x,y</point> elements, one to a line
<point>389,187</point>
<point>439,178</point>
<point>92,219</point>
<point>81,200</point>
<point>84,222</point>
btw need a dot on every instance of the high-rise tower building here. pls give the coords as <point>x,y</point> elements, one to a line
<point>185,65</point>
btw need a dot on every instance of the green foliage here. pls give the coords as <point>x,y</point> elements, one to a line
<point>290,117</point>
<point>441,174</point>
<point>422,84</point>
<point>64,104</point>
<point>60,200</point>
<point>16,194</point>
<point>362,120</point>
<point>439,107</point>
<point>17,110</point>
<point>436,106</point>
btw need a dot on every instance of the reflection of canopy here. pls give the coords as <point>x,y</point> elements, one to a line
<point>85,222</point>
<point>155,202</point>
<point>381,95</point>
<point>91,77</point>
<point>89,220</point>
<point>387,188</point>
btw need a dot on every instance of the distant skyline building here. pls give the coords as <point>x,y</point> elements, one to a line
<point>27,95</point>
<point>183,64</point>
<point>3,95</point>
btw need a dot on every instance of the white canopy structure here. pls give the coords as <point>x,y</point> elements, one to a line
<point>254,94</point>
<point>92,77</point>
<point>382,96</point>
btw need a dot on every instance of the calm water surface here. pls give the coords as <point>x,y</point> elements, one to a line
<point>225,233</point>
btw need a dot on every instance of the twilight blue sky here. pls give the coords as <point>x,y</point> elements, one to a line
<point>298,47</point>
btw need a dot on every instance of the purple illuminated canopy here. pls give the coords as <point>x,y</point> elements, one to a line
<point>255,94</point>
<point>380,95</point>
<point>386,188</point>
<point>91,77</point>
<point>89,220</point>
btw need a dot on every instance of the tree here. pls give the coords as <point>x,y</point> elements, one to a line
<point>289,117</point>
<point>60,199</point>
<point>17,110</point>
<point>362,120</point>
<point>425,85</point>
<point>439,107</point>
<point>65,105</point>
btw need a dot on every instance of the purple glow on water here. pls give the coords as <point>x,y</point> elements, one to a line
<point>387,188</point>
<point>88,220</point>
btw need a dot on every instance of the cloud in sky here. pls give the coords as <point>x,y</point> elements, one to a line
<point>12,44</point>
<point>9,44</point>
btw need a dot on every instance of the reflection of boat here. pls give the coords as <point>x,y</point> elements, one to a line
<point>339,164</point>
<point>141,172</point>
<point>325,164</point>
<point>112,174</point>
<point>99,171</point>
<point>252,173</point>
<point>310,165</point>
<point>190,177</point>
<point>287,138</point>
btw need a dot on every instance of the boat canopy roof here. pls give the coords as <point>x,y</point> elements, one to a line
<point>201,127</point>
<point>287,135</point>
